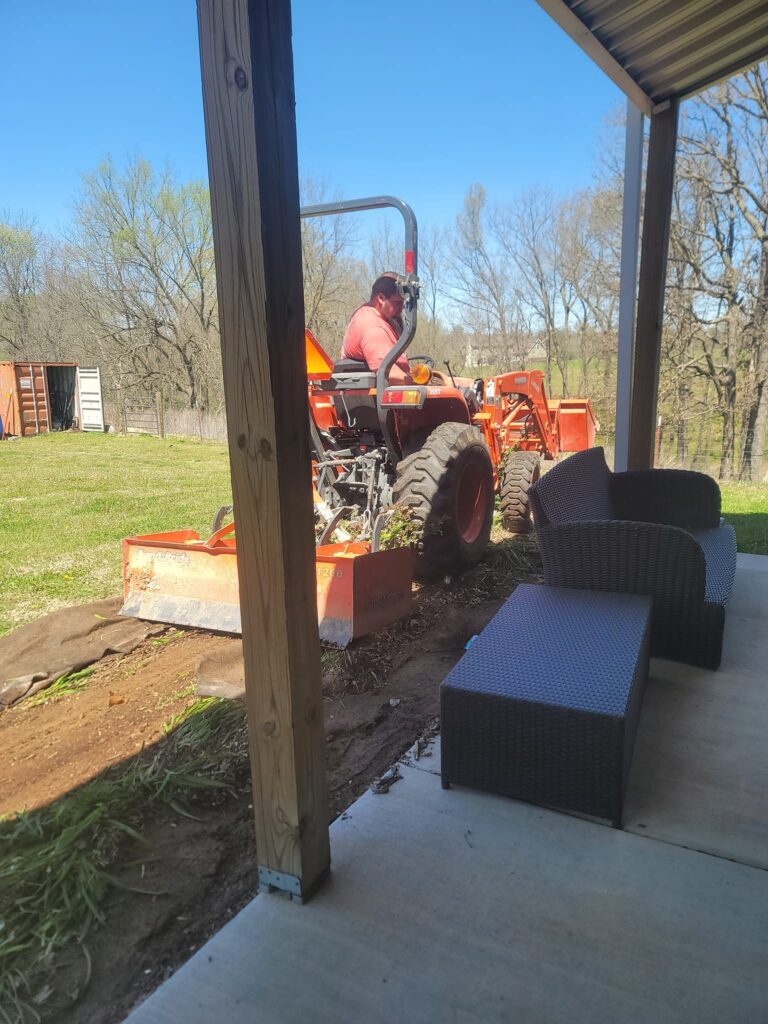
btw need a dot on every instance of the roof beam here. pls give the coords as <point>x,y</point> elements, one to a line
<point>560,12</point>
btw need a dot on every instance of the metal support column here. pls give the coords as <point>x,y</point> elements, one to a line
<point>657,212</point>
<point>630,234</point>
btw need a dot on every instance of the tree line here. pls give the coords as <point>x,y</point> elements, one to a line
<point>131,285</point>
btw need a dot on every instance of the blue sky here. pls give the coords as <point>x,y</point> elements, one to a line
<point>420,102</point>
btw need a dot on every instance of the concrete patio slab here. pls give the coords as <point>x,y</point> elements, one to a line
<point>699,774</point>
<point>456,906</point>
<point>745,560</point>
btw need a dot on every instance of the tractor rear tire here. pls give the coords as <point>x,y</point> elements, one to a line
<point>448,487</point>
<point>521,472</point>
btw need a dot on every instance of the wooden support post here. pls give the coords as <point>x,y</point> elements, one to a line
<point>659,183</point>
<point>248,99</point>
<point>160,412</point>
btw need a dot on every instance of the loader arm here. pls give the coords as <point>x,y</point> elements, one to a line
<point>519,413</point>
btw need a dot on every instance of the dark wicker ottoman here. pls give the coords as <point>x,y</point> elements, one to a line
<point>544,705</point>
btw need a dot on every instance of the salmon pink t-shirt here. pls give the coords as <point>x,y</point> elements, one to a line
<point>369,337</point>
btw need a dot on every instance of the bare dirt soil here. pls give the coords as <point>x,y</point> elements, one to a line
<point>195,874</point>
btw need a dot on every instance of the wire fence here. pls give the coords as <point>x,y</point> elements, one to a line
<point>709,461</point>
<point>142,414</point>
<point>207,426</point>
<point>134,411</point>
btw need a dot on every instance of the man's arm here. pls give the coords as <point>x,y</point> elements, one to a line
<point>398,376</point>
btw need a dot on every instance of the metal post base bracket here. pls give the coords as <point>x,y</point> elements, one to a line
<point>288,885</point>
<point>277,881</point>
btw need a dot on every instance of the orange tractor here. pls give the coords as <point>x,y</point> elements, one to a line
<point>434,451</point>
<point>377,447</point>
<point>438,450</point>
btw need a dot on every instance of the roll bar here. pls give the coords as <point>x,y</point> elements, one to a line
<point>410,288</point>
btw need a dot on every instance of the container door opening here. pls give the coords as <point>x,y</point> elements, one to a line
<point>62,383</point>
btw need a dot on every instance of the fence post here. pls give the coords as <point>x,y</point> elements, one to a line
<point>160,414</point>
<point>123,412</point>
<point>657,445</point>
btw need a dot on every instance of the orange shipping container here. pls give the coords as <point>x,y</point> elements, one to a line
<point>37,397</point>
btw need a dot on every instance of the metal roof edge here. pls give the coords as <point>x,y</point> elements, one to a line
<point>561,13</point>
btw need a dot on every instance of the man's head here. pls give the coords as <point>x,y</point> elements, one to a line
<point>386,295</point>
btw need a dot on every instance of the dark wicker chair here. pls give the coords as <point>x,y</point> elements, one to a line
<point>654,532</point>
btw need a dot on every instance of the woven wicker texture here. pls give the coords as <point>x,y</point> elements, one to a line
<point>677,497</point>
<point>567,648</point>
<point>576,489</point>
<point>719,547</point>
<point>626,558</point>
<point>544,705</point>
<point>687,568</point>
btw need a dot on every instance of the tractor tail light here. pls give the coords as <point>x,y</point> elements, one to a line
<point>403,396</point>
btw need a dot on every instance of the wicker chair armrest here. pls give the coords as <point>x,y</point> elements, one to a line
<point>676,497</point>
<point>625,557</point>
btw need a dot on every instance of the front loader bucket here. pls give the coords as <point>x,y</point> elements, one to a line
<point>185,581</point>
<point>576,421</point>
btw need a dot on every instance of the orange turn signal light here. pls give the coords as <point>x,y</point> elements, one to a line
<point>421,373</point>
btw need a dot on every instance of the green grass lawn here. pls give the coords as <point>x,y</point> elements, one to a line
<point>745,507</point>
<point>67,500</point>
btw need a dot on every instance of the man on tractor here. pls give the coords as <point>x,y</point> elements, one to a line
<point>375,328</point>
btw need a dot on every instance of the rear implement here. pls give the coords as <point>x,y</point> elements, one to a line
<point>180,578</point>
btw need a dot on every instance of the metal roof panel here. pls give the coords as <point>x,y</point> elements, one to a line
<point>667,48</point>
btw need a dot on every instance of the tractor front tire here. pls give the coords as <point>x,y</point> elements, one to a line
<point>521,472</point>
<point>447,486</point>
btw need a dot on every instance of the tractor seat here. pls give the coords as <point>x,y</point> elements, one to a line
<point>350,366</point>
<point>350,373</point>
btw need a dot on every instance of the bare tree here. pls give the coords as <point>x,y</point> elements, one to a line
<point>726,142</point>
<point>20,282</point>
<point>707,238</point>
<point>482,288</point>
<point>332,278</point>
<point>142,258</point>
<point>528,234</point>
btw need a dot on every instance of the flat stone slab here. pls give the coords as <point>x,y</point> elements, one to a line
<point>463,907</point>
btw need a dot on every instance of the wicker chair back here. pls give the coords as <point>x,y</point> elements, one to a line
<point>576,490</point>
